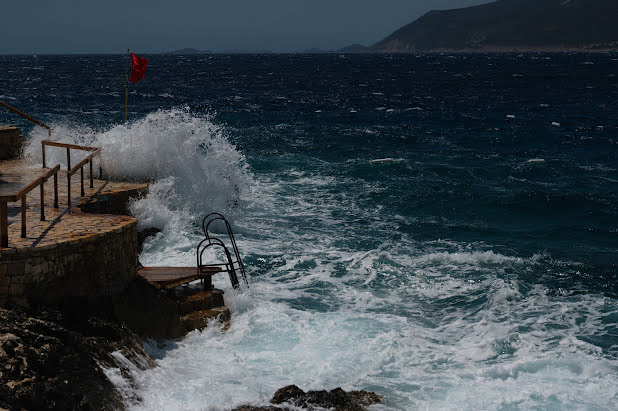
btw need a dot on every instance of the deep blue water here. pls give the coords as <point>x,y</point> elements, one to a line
<point>461,203</point>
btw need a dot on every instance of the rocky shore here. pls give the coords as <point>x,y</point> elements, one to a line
<point>338,400</point>
<point>56,359</point>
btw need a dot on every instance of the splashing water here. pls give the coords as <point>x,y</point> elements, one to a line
<point>458,276</point>
<point>192,166</point>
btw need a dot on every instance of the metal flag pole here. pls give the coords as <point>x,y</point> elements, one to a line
<point>126,90</point>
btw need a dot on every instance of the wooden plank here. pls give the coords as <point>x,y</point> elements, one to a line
<point>170,277</point>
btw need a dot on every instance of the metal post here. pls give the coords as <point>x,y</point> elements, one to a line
<point>91,182</point>
<point>68,159</point>
<point>42,202</point>
<point>4,225</point>
<point>23,217</point>
<point>56,190</point>
<point>100,171</point>
<point>82,179</point>
<point>68,189</point>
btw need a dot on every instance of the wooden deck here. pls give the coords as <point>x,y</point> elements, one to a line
<point>170,277</point>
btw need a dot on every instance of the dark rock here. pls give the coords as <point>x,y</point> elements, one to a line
<point>142,235</point>
<point>50,359</point>
<point>148,311</point>
<point>337,399</point>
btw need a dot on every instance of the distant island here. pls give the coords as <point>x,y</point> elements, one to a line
<point>187,51</point>
<point>511,25</point>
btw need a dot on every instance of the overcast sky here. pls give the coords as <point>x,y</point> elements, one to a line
<point>112,26</point>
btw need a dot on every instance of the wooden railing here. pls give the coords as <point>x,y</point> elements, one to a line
<point>79,166</point>
<point>40,180</point>
<point>21,195</point>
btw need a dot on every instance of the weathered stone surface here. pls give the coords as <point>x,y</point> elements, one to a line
<point>199,319</point>
<point>69,254</point>
<point>337,399</point>
<point>51,359</point>
<point>11,141</point>
<point>115,202</point>
<point>91,262</point>
<point>148,311</point>
<point>200,300</point>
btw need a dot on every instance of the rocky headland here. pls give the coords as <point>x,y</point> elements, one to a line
<point>511,25</point>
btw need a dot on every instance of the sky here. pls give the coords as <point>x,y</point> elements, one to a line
<point>154,26</point>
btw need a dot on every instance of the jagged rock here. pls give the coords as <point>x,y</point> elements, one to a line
<point>142,235</point>
<point>337,399</point>
<point>50,359</point>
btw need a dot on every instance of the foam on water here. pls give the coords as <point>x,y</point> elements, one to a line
<point>429,325</point>
<point>338,300</point>
<point>188,158</point>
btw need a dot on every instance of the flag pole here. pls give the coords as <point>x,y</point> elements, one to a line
<point>126,91</point>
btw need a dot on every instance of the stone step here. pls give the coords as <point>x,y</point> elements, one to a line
<point>200,300</point>
<point>199,319</point>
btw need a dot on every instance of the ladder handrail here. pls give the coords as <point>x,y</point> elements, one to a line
<point>209,241</point>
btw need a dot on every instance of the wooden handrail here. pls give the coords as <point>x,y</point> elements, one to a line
<point>84,162</point>
<point>21,195</point>
<point>34,183</point>
<point>79,166</point>
<point>66,145</point>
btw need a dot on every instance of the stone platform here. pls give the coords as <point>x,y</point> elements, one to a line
<point>71,253</point>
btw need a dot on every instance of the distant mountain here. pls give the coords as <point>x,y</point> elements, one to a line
<point>512,25</point>
<point>315,50</point>
<point>189,51</point>
<point>355,48</point>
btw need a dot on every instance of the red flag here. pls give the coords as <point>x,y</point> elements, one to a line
<point>138,68</point>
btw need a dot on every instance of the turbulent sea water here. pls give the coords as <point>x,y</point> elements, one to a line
<point>476,270</point>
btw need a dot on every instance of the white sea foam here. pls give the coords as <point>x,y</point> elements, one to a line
<point>429,325</point>
<point>194,167</point>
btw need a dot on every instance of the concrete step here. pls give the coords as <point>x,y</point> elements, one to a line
<point>199,319</point>
<point>200,300</point>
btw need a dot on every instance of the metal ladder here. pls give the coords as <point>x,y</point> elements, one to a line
<point>232,263</point>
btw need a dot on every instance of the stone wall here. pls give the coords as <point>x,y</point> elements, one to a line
<point>11,142</point>
<point>93,267</point>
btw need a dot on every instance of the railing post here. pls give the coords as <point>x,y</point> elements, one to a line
<point>68,159</point>
<point>42,201</point>
<point>23,217</point>
<point>91,181</point>
<point>43,149</point>
<point>56,190</point>
<point>68,189</point>
<point>100,170</point>
<point>82,180</point>
<point>4,225</point>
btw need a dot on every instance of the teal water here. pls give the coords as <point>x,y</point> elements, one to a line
<point>476,270</point>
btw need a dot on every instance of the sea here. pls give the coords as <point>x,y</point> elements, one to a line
<point>474,267</point>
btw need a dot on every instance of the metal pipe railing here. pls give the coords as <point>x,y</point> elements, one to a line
<point>79,166</point>
<point>27,117</point>
<point>21,195</point>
